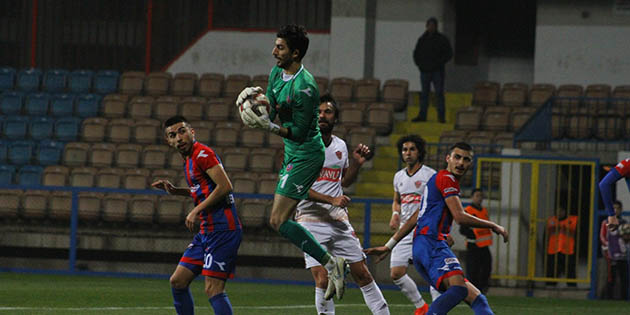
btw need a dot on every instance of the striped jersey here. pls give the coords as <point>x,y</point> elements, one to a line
<point>222,215</point>
<point>435,219</point>
<point>410,188</point>
<point>623,168</point>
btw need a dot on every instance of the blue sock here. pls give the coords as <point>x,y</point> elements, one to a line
<point>448,300</point>
<point>183,301</point>
<point>221,304</point>
<point>480,306</point>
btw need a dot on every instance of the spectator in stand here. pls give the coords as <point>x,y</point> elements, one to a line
<point>614,250</point>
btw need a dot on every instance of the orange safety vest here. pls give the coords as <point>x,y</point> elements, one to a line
<point>483,236</point>
<point>561,235</point>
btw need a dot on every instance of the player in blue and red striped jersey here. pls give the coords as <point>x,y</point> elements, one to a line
<point>213,250</point>
<point>432,256</point>
<point>622,169</point>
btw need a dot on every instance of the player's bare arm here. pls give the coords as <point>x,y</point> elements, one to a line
<point>382,251</point>
<point>359,156</point>
<point>223,188</point>
<point>394,222</point>
<point>460,216</point>
<point>167,186</point>
<point>340,201</point>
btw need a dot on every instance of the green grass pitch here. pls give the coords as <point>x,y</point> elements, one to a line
<point>57,294</point>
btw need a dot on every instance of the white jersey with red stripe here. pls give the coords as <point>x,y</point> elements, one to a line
<point>410,188</point>
<point>328,183</point>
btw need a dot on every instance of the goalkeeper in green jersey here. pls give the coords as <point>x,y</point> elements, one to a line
<point>294,97</point>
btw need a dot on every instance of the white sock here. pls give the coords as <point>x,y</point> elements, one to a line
<point>434,293</point>
<point>322,305</point>
<point>374,299</point>
<point>410,290</point>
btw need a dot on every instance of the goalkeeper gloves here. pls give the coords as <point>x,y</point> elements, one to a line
<point>247,92</point>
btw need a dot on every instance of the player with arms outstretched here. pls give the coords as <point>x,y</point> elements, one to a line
<point>432,256</point>
<point>294,97</point>
<point>213,250</point>
<point>606,185</point>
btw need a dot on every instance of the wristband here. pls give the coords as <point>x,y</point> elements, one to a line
<point>391,243</point>
<point>395,213</point>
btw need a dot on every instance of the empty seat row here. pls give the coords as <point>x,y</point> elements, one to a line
<point>379,116</point>
<point>59,80</point>
<point>39,128</point>
<point>343,89</point>
<point>22,152</point>
<point>605,125</point>
<point>493,118</point>
<point>59,105</point>
<point>483,142</point>
<point>29,175</point>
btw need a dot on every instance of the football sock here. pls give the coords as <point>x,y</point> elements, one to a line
<point>322,305</point>
<point>434,293</point>
<point>183,301</point>
<point>410,290</point>
<point>448,300</point>
<point>221,304</point>
<point>480,306</point>
<point>303,239</point>
<point>374,299</point>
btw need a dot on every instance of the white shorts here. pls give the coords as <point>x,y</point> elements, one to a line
<point>337,238</point>
<point>402,253</point>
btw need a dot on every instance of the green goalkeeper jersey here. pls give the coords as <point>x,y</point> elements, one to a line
<point>295,99</point>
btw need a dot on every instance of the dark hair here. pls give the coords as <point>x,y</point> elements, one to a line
<point>432,20</point>
<point>460,145</point>
<point>295,36</point>
<point>328,98</point>
<point>419,142</point>
<point>175,120</point>
<point>476,190</point>
<point>617,202</point>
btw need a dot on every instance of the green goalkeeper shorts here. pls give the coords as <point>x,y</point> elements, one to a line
<point>298,174</point>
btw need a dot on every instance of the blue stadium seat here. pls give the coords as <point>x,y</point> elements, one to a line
<point>62,105</point>
<point>7,78</point>
<point>55,80</point>
<point>67,128</point>
<point>29,80</point>
<point>7,174</point>
<point>15,127</point>
<point>3,151</point>
<point>40,128</point>
<point>80,81</point>
<point>88,105</point>
<point>37,104</point>
<point>30,175</point>
<point>20,152</point>
<point>106,81</point>
<point>49,152</point>
<point>11,102</point>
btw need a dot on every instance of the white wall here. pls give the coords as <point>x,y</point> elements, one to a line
<point>347,47</point>
<point>508,69</point>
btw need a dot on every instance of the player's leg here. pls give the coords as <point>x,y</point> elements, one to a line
<point>219,257</point>
<point>399,262</point>
<point>188,268</point>
<point>215,290</point>
<point>372,294</point>
<point>438,85</point>
<point>425,82</point>
<point>323,305</point>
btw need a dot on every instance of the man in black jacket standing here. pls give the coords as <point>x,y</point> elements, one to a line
<point>433,50</point>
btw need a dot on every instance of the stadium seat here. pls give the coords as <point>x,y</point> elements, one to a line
<point>29,80</point>
<point>75,153</point>
<point>513,94</point>
<point>20,152</point>
<point>496,118</point>
<point>580,125</point>
<point>342,89</point>
<point>570,95</point>
<point>322,85</point>
<point>147,131</point>
<point>340,131</point>
<point>167,174</point>
<point>609,125</point>
<point>102,154</point>
<point>254,213</point>
<point>262,160</point>
<point>106,82</point>
<point>519,116</point>
<point>80,81</point>
<point>89,206</point>
<point>60,205</point>
<point>203,131</point>
<point>453,136</point>
<point>244,182</point>
<point>119,130</point>
<point>93,129</point>
<point>352,114</point>
<point>37,104</point>
<point>184,84</point>
<point>55,175</point>
<point>11,102</point>
<point>165,107</point>
<point>274,141</point>
<point>226,133</point>
<point>485,93</point>
<point>469,118</point>
<point>141,107</point>
<point>154,156</point>
<point>596,97</point>
<point>504,140</point>
<point>67,128</point>
<point>558,122</point>
<point>3,151</point>
<point>234,84</point>
<point>30,175</point>
<point>380,116</point>
<point>49,152</point>
<point>170,210</point>
<point>235,159</point>
<point>481,141</point>
<point>82,176</point>
<point>34,204</point>
<point>10,200</point>
<point>7,174</point>
<point>109,177</point>
<point>366,90</point>
<point>267,183</point>
<point>128,155</point>
<point>175,160</point>
<point>218,109</point>
<point>15,127</point>
<point>211,84</point>
<point>62,105</point>
<point>142,209</point>
<point>261,80</point>
<point>621,99</point>
<point>115,208</point>
<point>158,83</point>
<point>395,91</point>
<point>364,135</point>
<point>253,138</point>
<point>192,107</point>
<point>40,128</point>
<point>136,178</point>
<point>88,105</point>
<point>131,82</point>
<point>7,78</point>
<point>540,93</point>
<point>114,105</point>
<point>55,80</point>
